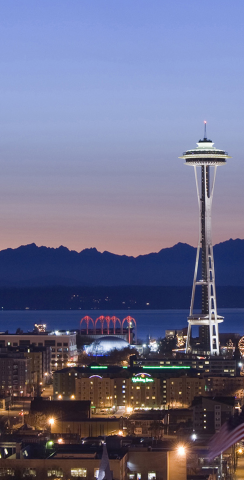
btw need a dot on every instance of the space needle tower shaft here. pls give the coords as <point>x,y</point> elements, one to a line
<point>205,157</point>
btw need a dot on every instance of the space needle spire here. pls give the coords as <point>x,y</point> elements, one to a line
<point>205,156</point>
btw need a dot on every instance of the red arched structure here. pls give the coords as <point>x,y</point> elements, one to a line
<point>87,320</point>
<point>107,319</point>
<point>129,321</point>
<point>100,319</point>
<point>114,320</point>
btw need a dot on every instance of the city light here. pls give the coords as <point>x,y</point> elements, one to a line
<point>51,421</point>
<point>60,440</point>
<point>175,367</point>
<point>129,409</point>
<point>181,450</point>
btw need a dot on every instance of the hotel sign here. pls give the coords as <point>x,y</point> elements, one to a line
<point>142,379</point>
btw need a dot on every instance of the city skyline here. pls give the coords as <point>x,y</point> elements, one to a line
<point>98,101</point>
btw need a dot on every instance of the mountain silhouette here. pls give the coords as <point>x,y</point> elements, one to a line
<point>29,265</point>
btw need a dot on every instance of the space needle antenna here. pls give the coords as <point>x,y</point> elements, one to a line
<point>205,130</point>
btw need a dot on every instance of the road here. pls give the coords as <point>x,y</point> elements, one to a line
<point>239,474</point>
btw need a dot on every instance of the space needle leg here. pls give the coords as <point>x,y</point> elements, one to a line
<point>188,341</point>
<point>212,304</point>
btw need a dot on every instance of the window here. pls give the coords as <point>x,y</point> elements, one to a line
<point>29,472</point>
<point>131,476</point>
<point>78,472</point>
<point>151,476</point>
<point>55,472</point>
<point>96,472</point>
<point>7,472</point>
<point>138,476</point>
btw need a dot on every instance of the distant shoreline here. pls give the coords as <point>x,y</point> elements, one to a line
<point>128,298</point>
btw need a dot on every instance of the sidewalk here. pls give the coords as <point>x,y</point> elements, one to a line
<point>239,474</point>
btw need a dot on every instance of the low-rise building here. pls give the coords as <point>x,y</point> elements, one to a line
<point>209,413</point>
<point>62,344</point>
<point>225,386</point>
<point>211,365</point>
<point>80,461</point>
<point>147,424</point>
<point>44,413</point>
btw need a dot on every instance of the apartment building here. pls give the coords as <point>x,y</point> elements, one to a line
<point>180,392</point>
<point>209,413</point>
<point>15,374</point>
<point>62,344</point>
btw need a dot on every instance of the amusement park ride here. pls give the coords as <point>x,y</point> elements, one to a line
<point>130,321</point>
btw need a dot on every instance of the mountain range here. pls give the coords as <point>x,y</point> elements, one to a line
<point>32,266</point>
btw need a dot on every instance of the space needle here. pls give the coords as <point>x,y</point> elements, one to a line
<point>205,156</point>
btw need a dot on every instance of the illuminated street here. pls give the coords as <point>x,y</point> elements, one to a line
<point>239,474</point>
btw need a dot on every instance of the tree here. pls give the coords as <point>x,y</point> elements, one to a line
<point>156,428</point>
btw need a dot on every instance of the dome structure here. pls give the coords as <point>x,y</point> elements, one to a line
<point>105,344</point>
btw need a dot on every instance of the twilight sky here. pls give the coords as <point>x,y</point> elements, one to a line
<point>98,98</point>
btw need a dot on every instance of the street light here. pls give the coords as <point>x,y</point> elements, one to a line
<point>51,421</point>
<point>181,450</point>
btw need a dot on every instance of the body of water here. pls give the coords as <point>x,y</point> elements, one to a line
<point>149,322</point>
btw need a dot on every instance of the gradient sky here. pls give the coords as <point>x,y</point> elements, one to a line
<point>98,98</point>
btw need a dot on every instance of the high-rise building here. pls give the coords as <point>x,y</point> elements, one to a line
<point>205,156</point>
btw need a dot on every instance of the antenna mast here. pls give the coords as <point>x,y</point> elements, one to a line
<point>205,130</point>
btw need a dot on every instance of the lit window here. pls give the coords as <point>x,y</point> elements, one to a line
<point>29,472</point>
<point>78,472</point>
<point>7,472</point>
<point>151,476</point>
<point>138,476</point>
<point>96,472</point>
<point>55,472</point>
